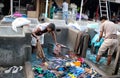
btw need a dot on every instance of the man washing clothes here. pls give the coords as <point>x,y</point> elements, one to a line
<point>38,37</point>
<point>110,42</point>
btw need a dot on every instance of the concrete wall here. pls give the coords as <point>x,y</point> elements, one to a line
<point>14,49</point>
<point>66,36</point>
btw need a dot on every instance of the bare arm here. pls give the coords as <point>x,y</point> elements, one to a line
<point>54,36</point>
<point>101,32</point>
<point>100,36</point>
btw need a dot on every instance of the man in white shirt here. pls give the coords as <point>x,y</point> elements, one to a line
<point>110,41</point>
<point>38,35</point>
<point>65,10</point>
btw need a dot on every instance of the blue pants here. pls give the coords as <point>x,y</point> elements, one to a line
<point>65,16</point>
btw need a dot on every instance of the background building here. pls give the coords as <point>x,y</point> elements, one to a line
<point>34,8</point>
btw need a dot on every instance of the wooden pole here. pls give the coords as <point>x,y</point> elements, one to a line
<point>19,5</point>
<point>81,9</point>
<point>38,8</point>
<point>11,7</point>
<point>117,61</point>
<point>46,9</point>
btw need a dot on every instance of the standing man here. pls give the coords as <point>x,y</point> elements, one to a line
<point>110,41</point>
<point>65,11</point>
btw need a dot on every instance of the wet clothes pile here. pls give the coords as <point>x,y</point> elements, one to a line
<point>65,68</point>
<point>41,73</point>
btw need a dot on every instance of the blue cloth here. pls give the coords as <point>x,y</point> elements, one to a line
<point>92,57</point>
<point>94,41</point>
<point>8,19</point>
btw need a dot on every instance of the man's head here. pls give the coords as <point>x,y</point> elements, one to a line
<point>103,18</point>
<point>64,0</point>
<point>51,27</point>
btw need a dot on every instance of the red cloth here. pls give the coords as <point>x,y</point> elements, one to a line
<point>81,60</point>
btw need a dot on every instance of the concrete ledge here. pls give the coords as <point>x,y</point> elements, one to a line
<point>28,70</point>
<point>7,31</point>
<point>104,75</point>
<point>15,50</point>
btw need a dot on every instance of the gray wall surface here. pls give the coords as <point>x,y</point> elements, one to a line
<point>14,50</point>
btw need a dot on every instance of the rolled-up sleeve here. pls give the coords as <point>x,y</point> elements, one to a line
<point>118,28</point>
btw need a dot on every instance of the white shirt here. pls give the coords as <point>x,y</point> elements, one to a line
<point>108,28</point>
<point>65,6</point>
<point>42,26</point>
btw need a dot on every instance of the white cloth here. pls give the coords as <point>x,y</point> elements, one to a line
<point>41,37</point>
<point>18,22</point>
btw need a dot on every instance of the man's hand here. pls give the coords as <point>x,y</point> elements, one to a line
<point>100,36</point>
<point>98,40</point>
<point>56,43</point>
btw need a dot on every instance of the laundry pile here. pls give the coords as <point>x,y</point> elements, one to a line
<point>67,67</point>
<point>40,73</point>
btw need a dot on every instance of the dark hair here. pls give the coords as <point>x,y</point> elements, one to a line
<point>42,20</point>
<point>103,18</point>
<point>52,26</point>
<point>64,0</point>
